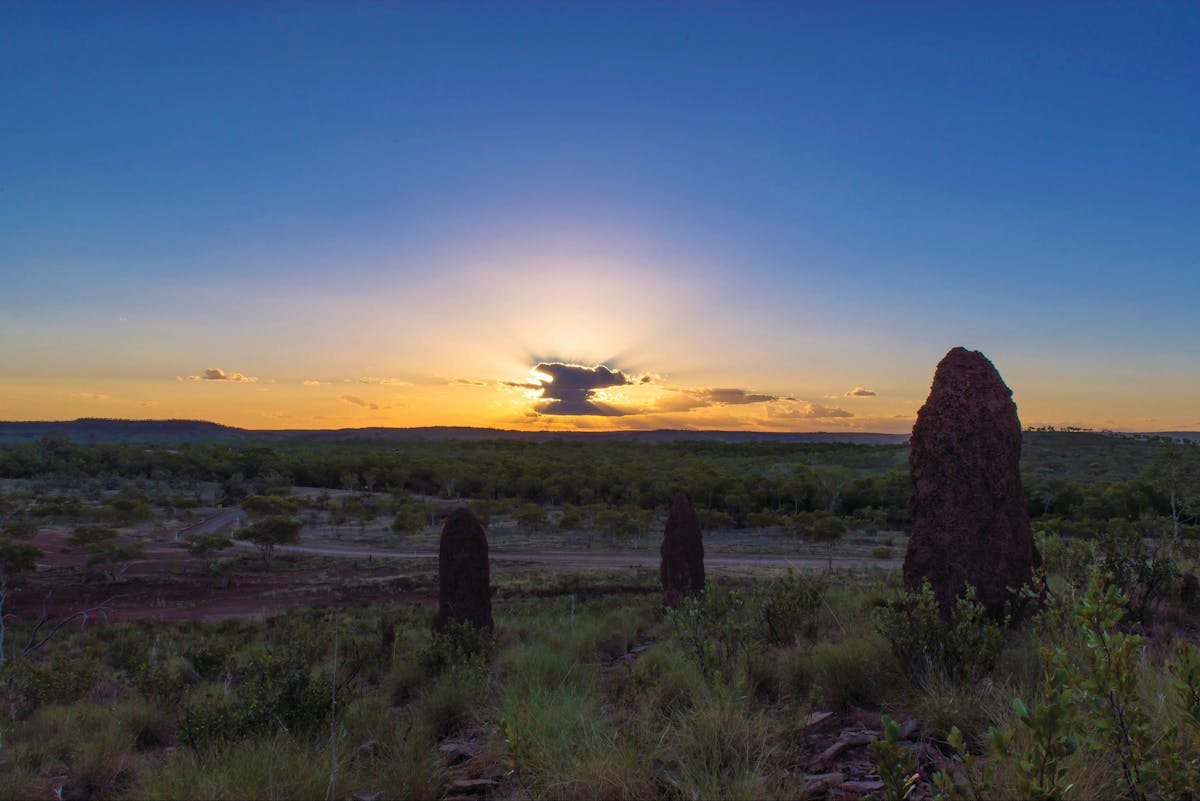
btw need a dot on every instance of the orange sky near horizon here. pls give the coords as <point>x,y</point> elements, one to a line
<point>458,347</point>
<point>512,400</point>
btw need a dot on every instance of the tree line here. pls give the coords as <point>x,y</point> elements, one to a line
<point>735,484</point>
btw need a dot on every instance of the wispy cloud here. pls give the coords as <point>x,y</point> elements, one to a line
<point>802,410</point>
<point>385,382</point>
<point>683,400</point>
<point>93,396</point>
<point>217,374</point>
<point>861,392</point>
<point>354,400</point>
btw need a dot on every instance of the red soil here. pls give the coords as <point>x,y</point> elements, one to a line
<point>168,584</point>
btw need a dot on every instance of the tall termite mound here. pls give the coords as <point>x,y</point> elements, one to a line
<point>464,581</point>
<point>682,569</point>
<point>969,520</point>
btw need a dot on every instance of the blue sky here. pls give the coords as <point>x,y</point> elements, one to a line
<point>849,190</point>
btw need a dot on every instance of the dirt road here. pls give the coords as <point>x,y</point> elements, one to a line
<point>646,558</point>
<point>227,518</point>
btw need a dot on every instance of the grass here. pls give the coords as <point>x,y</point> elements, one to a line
<point>564,708</point>
<point>722,749</point>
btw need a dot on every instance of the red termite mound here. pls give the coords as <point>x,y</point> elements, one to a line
<point>682,552</point>
<point>969,520</point>
<point>464,582</point>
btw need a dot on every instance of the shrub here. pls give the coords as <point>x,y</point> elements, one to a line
<point>963,644</point>
<point>149,724</point>
<point>211,657</point>
<point>280,691</point>
<point>460,645</point>
<point>57,680</point>
<point>786,608</point>
<point>19,528</point>
<point>1066,556</point>
<point>712,630</point>
<point>895,763</point>
<point>163,682</point>
<point>1141,574</point>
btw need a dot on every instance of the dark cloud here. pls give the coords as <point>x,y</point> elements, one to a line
<point>354,400</point>
<point>684,400</point>
<point>216,374</point>
<point>735,396</point>
<point>570,388</point>
<point>861,392</point>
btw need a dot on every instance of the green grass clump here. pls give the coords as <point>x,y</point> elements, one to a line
<point>669,682</point>
<point>721,750</point>
<point>450,702</point>
<point>853,672</point>
<point>90,748</point>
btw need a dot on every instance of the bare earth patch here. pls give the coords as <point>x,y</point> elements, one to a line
<point>170,585</point>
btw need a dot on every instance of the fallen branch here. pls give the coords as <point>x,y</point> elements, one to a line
<point>33,644</point>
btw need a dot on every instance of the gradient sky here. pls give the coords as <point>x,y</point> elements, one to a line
<point>773,216</point>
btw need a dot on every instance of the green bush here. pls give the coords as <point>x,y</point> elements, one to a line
<point>162,681</point>
<point>895,763</point>
<point>57,680</point>
<point>211,657</point>
<point>460,645</point>
<point>280,691</point>
<point>1143,574</point>
<point>786,608</point>
<point>151,725</point>
<point>963,644</point>
<point>1066,556</point>
<point>712,629</point>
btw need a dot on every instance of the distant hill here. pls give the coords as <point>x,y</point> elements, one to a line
<point>94,429</point>
<point>175,431</point>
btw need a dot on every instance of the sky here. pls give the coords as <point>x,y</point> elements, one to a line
<point>768,216</point>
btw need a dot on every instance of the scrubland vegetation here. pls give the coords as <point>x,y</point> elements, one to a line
<point>828,683</point>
